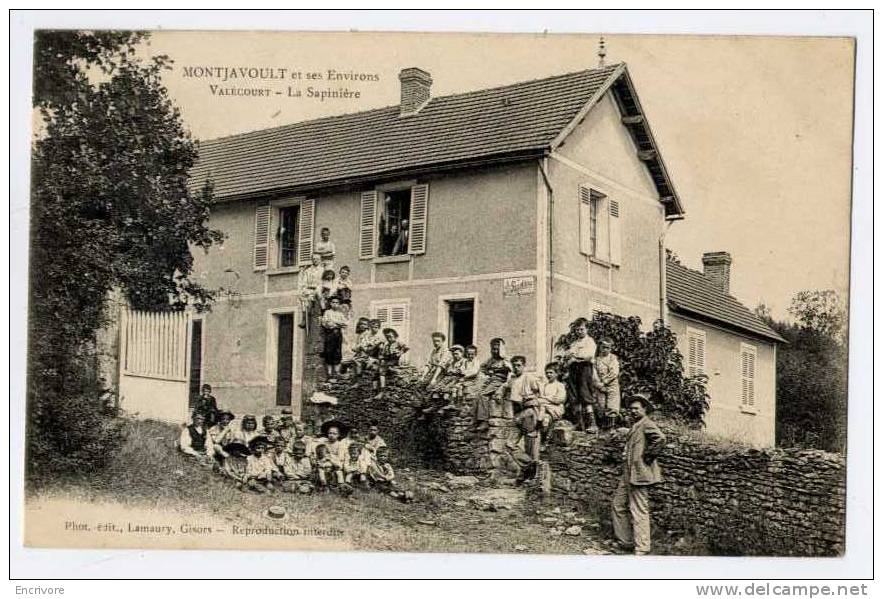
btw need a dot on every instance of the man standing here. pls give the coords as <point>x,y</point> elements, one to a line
<point>631,507</point>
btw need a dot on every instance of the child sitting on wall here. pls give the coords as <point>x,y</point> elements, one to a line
<point>392,354</point>
<point>439,358</point>
<point>553,397</point>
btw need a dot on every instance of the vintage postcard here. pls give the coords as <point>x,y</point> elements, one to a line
<point>439,292</point>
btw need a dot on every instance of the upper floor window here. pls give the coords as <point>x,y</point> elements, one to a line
<point>393,229</point>
<point>599,226</point>
<point>283,233</point>
<point>392,222</point>
<point>287,235</point>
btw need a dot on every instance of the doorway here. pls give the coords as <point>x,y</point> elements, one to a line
<point>284,358</point>
<point>461,321</point>
<point>195,362</point>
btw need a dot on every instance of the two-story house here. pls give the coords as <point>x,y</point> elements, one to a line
<point>499,212</point>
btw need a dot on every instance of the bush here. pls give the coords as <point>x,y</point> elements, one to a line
<point>651,363</point>
<point>74,430</point>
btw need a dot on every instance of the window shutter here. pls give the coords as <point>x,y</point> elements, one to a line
<point>396,316</point>
<point>367,225</point>
<point>417,223</point>
<point>615,234</point>
<point>585,221</point>
<point>695,352</point>
<point>261,237</point>
<point>306,231</point>
<point>602,225</point>
<point>598,308</point>
<point>749,360</point>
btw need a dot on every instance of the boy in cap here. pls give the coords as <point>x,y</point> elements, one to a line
<point>521,393</point>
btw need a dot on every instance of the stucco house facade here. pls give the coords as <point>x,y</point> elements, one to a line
<point>721,338</point>
<point>501,212</point>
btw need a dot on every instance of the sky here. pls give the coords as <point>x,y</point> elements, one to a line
<point>756,132</point>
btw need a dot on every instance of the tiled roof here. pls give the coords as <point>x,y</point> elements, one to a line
<point>515,120</point>
<point>692,294</point>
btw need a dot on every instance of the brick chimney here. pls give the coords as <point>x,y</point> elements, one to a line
<point>415,89</point>
<point>716,266</point>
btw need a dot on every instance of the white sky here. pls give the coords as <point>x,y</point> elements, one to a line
<point>756,131</point>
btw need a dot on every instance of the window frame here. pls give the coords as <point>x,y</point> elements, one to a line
<point>274,259</point>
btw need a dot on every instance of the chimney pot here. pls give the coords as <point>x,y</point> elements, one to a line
<point>415,85</point>
<point>716,267</point>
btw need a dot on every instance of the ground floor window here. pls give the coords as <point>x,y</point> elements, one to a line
<point>461,321</point>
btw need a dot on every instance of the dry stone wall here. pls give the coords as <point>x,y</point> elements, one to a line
<point>739,500</point>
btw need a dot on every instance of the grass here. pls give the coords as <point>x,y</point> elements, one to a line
<point>150,473</point>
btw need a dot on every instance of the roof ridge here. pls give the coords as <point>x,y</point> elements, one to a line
<point>610,68</point>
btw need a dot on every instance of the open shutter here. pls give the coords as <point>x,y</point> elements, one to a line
<point>261,237</point>
<point>417,224</point>
<point>366,224</point>
<point>585,221</point>
<point>615,233</point>
<point>306,231</point>
<point>602,226</point>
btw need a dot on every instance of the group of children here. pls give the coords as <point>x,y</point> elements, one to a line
<point>282,454</point>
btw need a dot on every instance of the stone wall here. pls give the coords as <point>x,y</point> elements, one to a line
<point>448,441</point>
<point>741,501</point>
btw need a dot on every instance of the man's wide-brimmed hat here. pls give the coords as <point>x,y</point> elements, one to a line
<point>237,449</point>
<point>643,398</point>
<point>453,347</point>
<point>340,426</point>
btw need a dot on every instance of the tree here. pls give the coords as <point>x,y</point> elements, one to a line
<point>811,372</point>
<point>111,209</point>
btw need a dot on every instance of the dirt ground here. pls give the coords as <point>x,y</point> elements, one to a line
<point>151,496</point>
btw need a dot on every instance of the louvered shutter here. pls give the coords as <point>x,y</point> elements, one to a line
<point>695,352</point>
<point>615,233</point>
<point>749,363</point>
<point>599,308</point>
<point>306,231</point>
<point>366,225</point>
<point>417,223</point>
<point>585,221</point>
<point>396,316</point>
<point>261,237</point>
<point>602,226</point>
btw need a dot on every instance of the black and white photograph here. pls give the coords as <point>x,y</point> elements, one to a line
<point>578,294</point>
